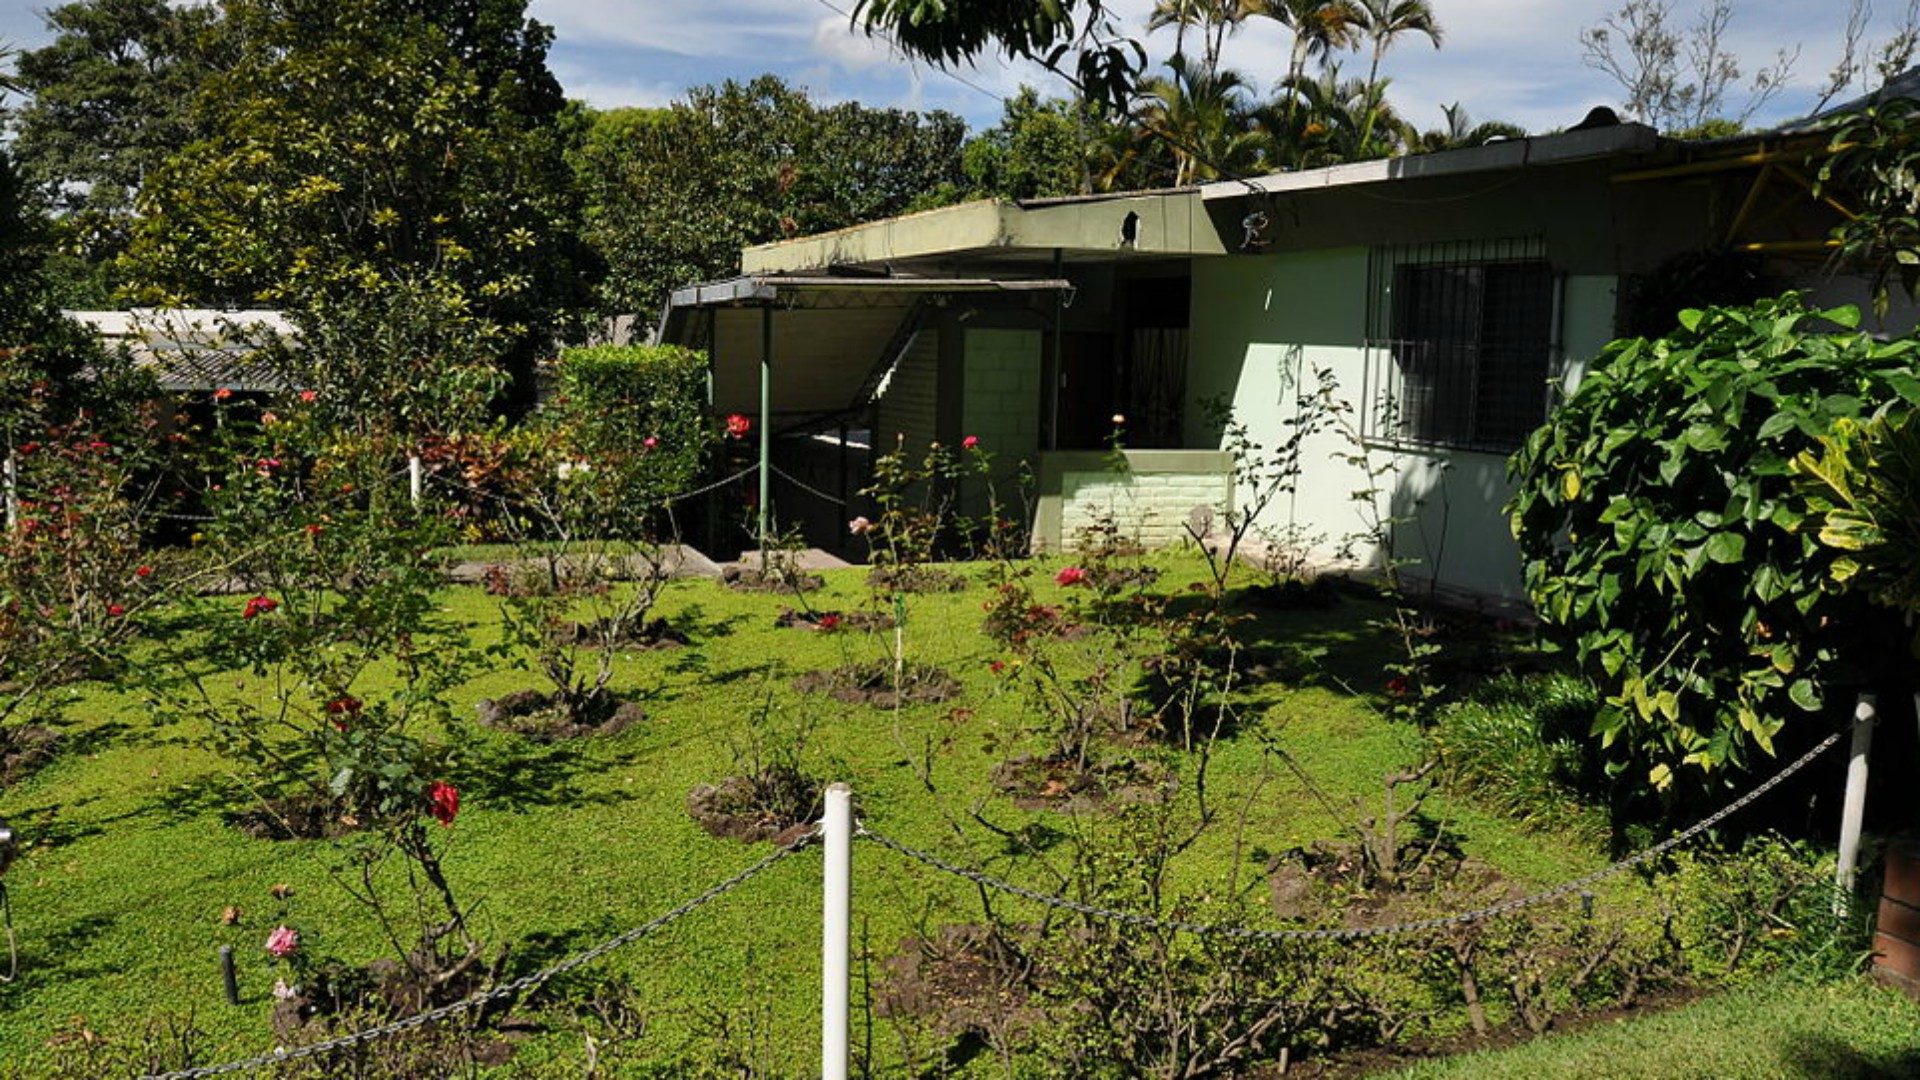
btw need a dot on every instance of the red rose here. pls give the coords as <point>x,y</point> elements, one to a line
<point>970,442</point>
<point>308,396</point>
<point>28,448</point>
<point>829,622</point>
<point>343,705</point>
<point>738,426</point>
<point>997,666</point>
<point>443,802</point>
<point>259,605</point>
<point>1072,575</point>
<point>143,572</point>
<point>1398,686</point>
<point>116,610</point>
<point>222,394</point>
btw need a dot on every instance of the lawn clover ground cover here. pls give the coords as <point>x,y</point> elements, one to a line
<point>567,843</point>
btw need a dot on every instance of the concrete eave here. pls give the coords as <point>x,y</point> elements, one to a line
<point>1170,224</point>
<point>1507,154</point>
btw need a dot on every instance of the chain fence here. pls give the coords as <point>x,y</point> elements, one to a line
<point>1566,889</point>
<point>505,990</point>
<point>806,487</point>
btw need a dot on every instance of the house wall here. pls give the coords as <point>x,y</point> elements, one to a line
<point>1001,399</point>
<point>908,403</point>
<point>1263,324</point>
<point>1152,497</point>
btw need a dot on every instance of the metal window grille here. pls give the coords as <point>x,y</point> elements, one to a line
<point>1461,343</point>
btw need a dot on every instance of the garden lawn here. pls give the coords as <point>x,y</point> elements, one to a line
<point>1776,1030</point>
<point>131,862</point>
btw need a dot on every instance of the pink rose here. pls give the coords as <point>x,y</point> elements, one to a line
<point>1072,575</point>
<point>970,442</point>
<point>284,941</point>
<point>859,526</point>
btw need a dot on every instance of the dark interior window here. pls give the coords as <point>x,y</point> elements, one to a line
<point>1473,344</point>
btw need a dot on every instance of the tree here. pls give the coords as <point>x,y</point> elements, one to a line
<point>1319,28</point>
<point>672,195</point>
<point>1461,131</point>
<point>1214,19</point>
<point>109,101</point>
<point>389,171</point>
<point>1677,79</point>
<point>1384,20</point>
<point>1038,150</point>
<point>1204,120</point>
<point>1105,64</point>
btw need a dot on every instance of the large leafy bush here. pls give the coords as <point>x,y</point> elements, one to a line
<point>1865,486</point>
<point>1662,532</point>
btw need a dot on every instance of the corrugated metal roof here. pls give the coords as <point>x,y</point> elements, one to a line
<point>192,349</point>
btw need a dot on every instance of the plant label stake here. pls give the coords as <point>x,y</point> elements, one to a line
<point>228,977</point>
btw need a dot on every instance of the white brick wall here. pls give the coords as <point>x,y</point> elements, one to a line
<point>907,406</point>
<point>1152,508</point>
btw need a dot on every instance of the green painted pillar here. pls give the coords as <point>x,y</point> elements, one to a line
<point>766,423</point>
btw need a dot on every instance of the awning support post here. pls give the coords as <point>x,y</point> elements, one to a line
<point>766,425</point>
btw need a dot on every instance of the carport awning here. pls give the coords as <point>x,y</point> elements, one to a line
<point>832,336</point>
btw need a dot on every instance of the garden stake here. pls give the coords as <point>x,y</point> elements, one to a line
<point>228,976</point>
<point>1854,805</point>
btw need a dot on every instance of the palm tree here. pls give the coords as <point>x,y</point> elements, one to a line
<point>1215,19</point>
<point>1319,28</point>
<point>1383,20</point>
<point>1204,121</point>
<point>1323,121</point>
<point>1461,132</point>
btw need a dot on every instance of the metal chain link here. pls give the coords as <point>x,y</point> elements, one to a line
<point>1506,907</point>
<point>469,489</point>
<point>715,486</point>
<point>806,487</point>
<point>498,993</point>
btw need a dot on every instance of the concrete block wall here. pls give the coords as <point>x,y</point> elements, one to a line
<point>908,402</point>
<point>1152,498</point>
<point>1001,404</point>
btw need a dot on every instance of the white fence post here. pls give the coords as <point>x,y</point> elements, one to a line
<point>836,932</point>
<point>11,469</point>
<point>1853,806</point>
<point>415,477</point>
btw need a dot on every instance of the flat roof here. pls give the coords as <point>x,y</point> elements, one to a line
<point>1564,148</point>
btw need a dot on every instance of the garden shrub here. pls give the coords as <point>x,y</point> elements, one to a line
<point>1661,532</point>
<point>1863,487</point>
<point>635,418</point>
<point>1518,744</point>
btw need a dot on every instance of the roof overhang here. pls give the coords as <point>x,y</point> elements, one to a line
<point>790,291</point>
<point>1566,148</point>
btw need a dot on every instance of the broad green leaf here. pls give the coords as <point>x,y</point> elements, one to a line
<point>1726,547</point>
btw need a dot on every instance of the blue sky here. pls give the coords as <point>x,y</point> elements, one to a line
<point>1517,60</point>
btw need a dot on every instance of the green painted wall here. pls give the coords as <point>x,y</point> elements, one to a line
<point>1263,324</point>
<point>1001,402</point>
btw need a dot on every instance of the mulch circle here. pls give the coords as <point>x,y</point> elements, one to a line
<point>305,816</point>
<point>778,807</point>
<point>1052,783</point>
<point>648,635</point>
<point>916,579</point>
<point>776,580</point>
<point>872,683</point>
<point>535,715</point>
<point>829,621</point>
<point>23,750</point>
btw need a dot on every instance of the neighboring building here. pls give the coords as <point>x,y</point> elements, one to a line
<point>1453,296</point>
<point>196,349</point>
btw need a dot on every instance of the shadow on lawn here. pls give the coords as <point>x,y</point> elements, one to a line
<point>1819,1056</point>
<point>57,960</point>
<point>522,775</point>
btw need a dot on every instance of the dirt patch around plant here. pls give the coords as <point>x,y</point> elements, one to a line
<point>335,998</point>
<point>538,716</point>
<point>874,683</point>
<point>777,804</point>
<point>642,636</point>
<point>775,580</point>
<point>916,579</point>
<point>961,982</point>
<point>1055,783</point>
<point>790,619</point>
<point>23,750</point>
<point>304,816</point>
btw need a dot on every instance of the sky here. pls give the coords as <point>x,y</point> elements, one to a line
<point>1514,60</point>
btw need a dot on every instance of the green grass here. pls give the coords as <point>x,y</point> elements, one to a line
<point>1776,1030</point>
<point>118,900</point>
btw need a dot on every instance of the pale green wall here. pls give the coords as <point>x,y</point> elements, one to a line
<point>1001,401</point>
<point>1263,324</point>
<point>907,404</point>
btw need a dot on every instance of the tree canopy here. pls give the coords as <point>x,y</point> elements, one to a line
<point>399,160</point>
<point>672,195</point>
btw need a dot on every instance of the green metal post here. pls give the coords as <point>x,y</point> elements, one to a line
<point>766,424</point>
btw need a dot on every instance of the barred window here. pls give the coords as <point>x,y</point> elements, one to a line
<point>1468,346</point>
